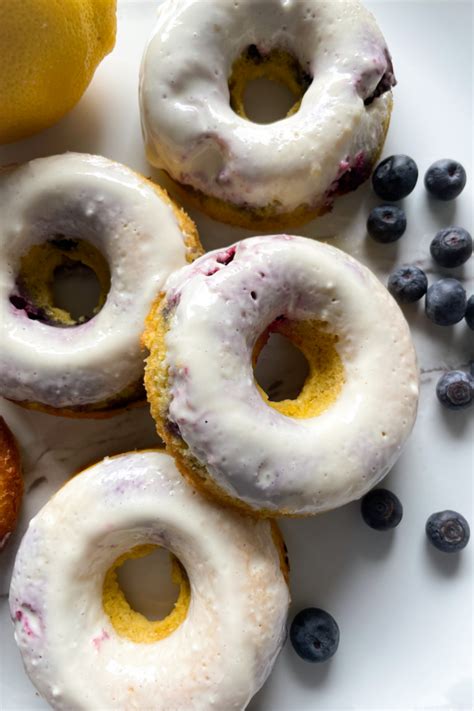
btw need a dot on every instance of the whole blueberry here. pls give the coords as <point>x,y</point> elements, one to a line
<point>407,284</point>
<point>314,635</point>
<point>445,179</point>
<point>445,302</point>
<point>386,223</point>
<point>448,531</point>
<point>469,315</point>
<point>455,390</point>
<point>451,247</point>
<point>395,177</point>
<point>381,509</point>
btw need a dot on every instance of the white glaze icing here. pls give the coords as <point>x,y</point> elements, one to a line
<point>250,450</point>
<point>105,203</point>
<point>216,659</point>
<point>191,131</point>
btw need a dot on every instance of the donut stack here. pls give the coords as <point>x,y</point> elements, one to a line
<point>234,459</point>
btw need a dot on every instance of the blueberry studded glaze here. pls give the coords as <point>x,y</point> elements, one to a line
<point>251,451</point>
<point>92,198</point>
<point>225,647</point>
<point>328,145</point>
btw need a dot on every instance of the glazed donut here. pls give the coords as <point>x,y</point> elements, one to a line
<point>68,209</point>
<point>73,623</point>
<point>346,428</point>
<point>332,57</point>
<point>11,483</point>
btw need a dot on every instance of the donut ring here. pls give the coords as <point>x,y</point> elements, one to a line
<point>335,440</point>
<point>330,55</point>
<point>69,210</point>
<point>11,483</point>
<point>216,647</point>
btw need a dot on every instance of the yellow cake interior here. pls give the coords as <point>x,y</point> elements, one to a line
<point>278,66</point>
<point>40,264</point>
<point>133,625</point>
<point>326,372</point>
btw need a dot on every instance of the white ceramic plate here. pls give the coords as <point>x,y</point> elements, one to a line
<point>404,610</point>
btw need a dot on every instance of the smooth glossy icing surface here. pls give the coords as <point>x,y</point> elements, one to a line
<point>76,196</point>
<point>219,306</point>
<point>216,659</point>
<point>192,132</point>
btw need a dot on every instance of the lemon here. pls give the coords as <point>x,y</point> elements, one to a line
<point>49,51</point>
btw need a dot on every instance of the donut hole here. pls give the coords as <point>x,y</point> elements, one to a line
<point>62,282</point>
<point>266,100</point>
<point>281,369</point>
<point>297,368</point>
<point>146,594</point>
<point>148,585</point>
<point>76,290</point>
<point>267,87</point>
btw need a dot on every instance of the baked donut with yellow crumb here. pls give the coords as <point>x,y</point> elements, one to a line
<point>11,483</point>
<point>347,426</point>
<point>335,63</point>
<point>73,623</point>
<point>72,211</point>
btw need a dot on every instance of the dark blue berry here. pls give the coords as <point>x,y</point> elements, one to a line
<point>448,531</point>
<point>407,284</point>
<point>33,312</point>
<point>445,302</point>
<point>314,635</point>
<point>455,390</point>
<point>395,177</point>
<point>386,223</point>
<point>451,247</point>
<point>445,179</point>
<point>66,244</point>
<point>469,315</point>
<point>381,509</point>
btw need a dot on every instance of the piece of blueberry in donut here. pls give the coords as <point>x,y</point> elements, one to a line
<point>253,53</point>
<point>386,82</point>
<point>33,312</point>
<point>66,244</point>
<point>173,428</point>
<point>357,171</point>
<point>227,256</point>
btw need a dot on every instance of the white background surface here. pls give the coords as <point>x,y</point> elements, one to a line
<point>404,610</point>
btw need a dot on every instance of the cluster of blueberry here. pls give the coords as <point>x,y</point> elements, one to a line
<point>446,530</point>
<point>445,302</point>
<point>314,633</point>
